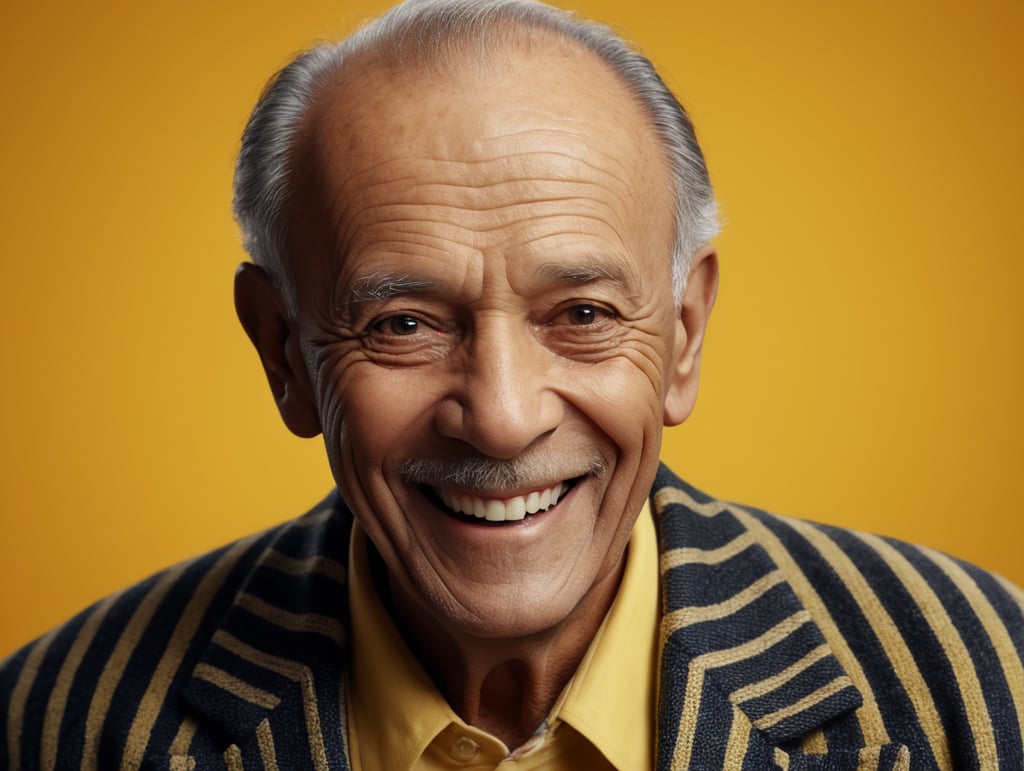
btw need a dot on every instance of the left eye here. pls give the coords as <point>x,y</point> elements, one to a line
<point>584,315</point>
<point>398,325</point>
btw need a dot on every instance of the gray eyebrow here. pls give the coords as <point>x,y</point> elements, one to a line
<point>381,284</point>
<point>581,273</point>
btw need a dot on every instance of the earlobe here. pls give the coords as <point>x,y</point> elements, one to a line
<point>694,311</point>
<point>266,321</point>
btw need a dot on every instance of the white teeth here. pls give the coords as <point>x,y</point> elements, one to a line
<point>507,510</point>
<point>495,511</point>
<point>515,508</point>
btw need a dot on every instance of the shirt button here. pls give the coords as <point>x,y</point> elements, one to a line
<point>464,749</point>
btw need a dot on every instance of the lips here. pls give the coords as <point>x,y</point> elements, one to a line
<point>502,509</point>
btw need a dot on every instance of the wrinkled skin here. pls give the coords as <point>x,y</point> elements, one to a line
<point>482,267</point>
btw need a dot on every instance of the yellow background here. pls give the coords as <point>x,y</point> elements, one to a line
<point>863,365</point>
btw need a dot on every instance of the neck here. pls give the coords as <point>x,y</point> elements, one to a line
<point>506,687</point>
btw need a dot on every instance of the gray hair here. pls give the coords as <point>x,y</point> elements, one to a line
<point>437,31</point>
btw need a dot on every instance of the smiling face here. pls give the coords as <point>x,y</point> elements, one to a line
<point>487,325</point>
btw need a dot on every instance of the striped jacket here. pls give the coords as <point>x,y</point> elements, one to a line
<point>783,644</point>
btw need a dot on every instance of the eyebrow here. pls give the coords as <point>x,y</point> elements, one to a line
<point>587,272</point>
<point>382,284</point>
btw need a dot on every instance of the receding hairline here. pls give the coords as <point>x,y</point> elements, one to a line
<point>396,65</point>
<point>467,53</point>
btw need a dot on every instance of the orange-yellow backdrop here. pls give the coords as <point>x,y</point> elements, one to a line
<point>863,365</point>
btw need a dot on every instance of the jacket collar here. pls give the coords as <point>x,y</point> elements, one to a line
<point>732,623</point>
<point>281,643</point>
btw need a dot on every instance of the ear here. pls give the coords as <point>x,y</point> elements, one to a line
<point>266,320</point>
<point>684,368</point>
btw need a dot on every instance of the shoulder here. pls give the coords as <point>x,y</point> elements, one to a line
<point>84,685</point>
<point>933,644</point>
<point>884,577</point>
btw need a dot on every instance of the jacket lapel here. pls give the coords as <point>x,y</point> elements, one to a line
<point>736,642</point>
<point>270,684</point>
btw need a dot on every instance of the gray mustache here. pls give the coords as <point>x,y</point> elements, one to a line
<point>494,474</point>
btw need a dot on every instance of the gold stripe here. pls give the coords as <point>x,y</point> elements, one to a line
<point>873,755</point>
<point>65,678</point>
<point>183,738</point>
<point>118,661</point>
<point>183,763</point>
<point>1006,651</point>
<point>314,518</point>
<point>868,758</point>
<point>952,645</point>
<point>739,740</point>
<point>695,614</point>
<point>233,758</point>
<point>688,719</point>
<point>265,739</point>
<point>293,622</point>
<point>293,671</point>
<point>814,743</point>
<point>781,759</point>
<point>236,687</point>
<point>902,762</point>
<point>19,696</point>
<point>694,556</point>
<point>668,495</point>
<point>868,716</point>
<point>815,697</point>
<point>160,682</point>
<point>320,564</point>
<point>889,637</point>
<point>761,643</point>
<point>760,688</point>
<point>700,664</point>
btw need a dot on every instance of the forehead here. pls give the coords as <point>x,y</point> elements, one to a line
<point>524,125</point>
<point>539,82</point>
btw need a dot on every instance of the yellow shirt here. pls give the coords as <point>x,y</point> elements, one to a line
<point>604,719</point>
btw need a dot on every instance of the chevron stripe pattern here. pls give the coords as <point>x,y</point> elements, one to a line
<point>808,646</point>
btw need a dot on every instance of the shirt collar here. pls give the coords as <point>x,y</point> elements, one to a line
<point>611,698</point>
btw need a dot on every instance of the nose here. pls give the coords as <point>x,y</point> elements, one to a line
<point>502,399</point>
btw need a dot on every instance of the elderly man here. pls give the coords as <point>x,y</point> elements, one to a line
<point>483,270</point>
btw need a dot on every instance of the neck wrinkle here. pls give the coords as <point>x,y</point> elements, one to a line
<point>505,687</point>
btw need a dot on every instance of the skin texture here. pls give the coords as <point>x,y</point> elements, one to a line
<point>482,266</point>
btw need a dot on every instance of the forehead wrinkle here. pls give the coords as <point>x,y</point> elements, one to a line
<point>549,163</point>
<point>366,191</point>
<point>396,213</point>
<point>355,196</point>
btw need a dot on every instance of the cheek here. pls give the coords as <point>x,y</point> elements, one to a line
<point>623,396</point>
<point>372,415</point>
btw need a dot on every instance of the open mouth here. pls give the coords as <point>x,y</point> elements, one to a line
<point>477,509</point>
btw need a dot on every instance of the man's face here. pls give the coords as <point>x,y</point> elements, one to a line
<point>486,317</point>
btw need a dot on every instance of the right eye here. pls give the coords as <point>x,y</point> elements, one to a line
<point>399,326</point>
<point>407,338</point>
